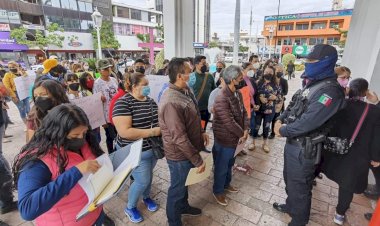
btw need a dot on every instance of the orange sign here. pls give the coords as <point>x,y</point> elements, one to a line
<point>286,49</point>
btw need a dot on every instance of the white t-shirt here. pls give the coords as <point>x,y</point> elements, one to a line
<point>108,89</point>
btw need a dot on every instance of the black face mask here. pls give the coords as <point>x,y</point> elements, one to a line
<point>13,70</point>
<point>74,144</point>
<point>219,69</point>
<point>140,69</point>
<point>204,69</point>
<point>44,103</point>
<point>239,86</point>
<point>280,74</point>
<point>268,77</point>
<point>74,86</point>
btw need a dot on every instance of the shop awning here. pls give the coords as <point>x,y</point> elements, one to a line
<point>7,44</point>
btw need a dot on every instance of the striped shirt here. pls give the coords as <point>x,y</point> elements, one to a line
<point>141,116</point>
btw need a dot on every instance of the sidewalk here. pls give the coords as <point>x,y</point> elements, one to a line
<point>251,206</point>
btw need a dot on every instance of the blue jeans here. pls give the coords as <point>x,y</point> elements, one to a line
<point>143,176</point>
<point>178,194</point>
<point>224,160</point>
<point>23,107</point>
<point>252,123</point>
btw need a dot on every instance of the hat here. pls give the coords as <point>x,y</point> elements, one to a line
<point>53,57</point>
<point>321,51</point>
<point>49,64</point>
<point>102,64</point>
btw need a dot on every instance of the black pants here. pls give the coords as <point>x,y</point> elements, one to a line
<point>110,137</point>
<point>298,177</point>
<point>290,73</point>
<point>344,200</point>
<point>376,173</point>
<point>205,116</point>
<point>6,195</point>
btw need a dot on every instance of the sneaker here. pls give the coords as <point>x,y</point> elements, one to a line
<point>150,204</point>
<point>251,147</point>
<point>133,215</point>
<point>339,219</point>
<point>266,148</point>
<point>221,199</point>
<point>231,189</point>
<point>9,207</point>
<point>191,211</point>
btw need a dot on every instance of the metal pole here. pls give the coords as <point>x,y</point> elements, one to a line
<point>250,33</point>
<point>278,14</point>
<point>99,46</point>
<point>236,33</point>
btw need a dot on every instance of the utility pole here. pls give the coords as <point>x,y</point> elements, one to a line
<point>236,33</point>
<point>250,33</point>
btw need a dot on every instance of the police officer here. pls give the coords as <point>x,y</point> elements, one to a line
<point>302,124</point>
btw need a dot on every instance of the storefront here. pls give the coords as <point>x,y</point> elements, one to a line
<point>10,50</point>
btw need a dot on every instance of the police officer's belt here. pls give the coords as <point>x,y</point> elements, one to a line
<point>295,141</point>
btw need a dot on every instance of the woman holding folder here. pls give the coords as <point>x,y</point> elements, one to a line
<point>48,168</point>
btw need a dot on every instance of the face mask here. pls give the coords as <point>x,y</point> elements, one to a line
<point>90,83</point>
<point>145,91</point>
<point>268,77</point>
<point>140,69</point>
<point>321,69</point>
<point>343,82</point>
<point>279,74</point>
<point>250,73</point>
<point>13,70</point>
<point>74,86</point>
<point>86,68</point>
<point>203,69</point>
<point>239,86</point>
<point>219,69</point>
<point>44,103</point>
<point>74,144</point>
<point>256,65</point>
<point>192,80</point>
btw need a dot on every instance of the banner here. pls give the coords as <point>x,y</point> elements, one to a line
<point>157,84</point>
<point>23,84</point>
<point>93,107</point>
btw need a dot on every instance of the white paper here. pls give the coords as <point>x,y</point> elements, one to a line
<point>193,177</point>
<point>23,84</point>
<point>93,107</point>
<point>156,82</point>
<point>134,157</point>
<point>239,148</point>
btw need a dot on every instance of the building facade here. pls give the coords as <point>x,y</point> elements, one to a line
<point>287,32</point>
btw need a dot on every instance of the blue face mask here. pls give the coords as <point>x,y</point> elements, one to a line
<point>145,91</point>
<point>192,80</point>
<point>321,69</point>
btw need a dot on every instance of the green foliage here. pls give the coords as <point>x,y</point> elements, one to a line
<point>300,67</point>
<point>243,48</point>
<point>39,40</point>
<point>160,31</point>
<point>143,37</point>
<point>213,44</point>
<point>159,60</point>
<point>343,33</point>
<point>107,37</point>
<point>91,63</point>
<point>287,58</point>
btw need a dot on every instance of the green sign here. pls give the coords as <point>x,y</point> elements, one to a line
<point>301,50</point>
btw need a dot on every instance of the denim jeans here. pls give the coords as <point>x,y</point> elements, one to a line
<point>178,194</point>
<point>252,123</point>
<point>143,176</point>
<point>267,123</point>
<point>224,160</point>
<point>23,107</point>
<point>6,195</point>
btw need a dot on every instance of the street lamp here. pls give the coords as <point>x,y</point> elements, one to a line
<point>97,20</point>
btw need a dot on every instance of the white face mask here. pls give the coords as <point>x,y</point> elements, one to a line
<point>85,68</point>
<point>256,65</point>
<point>250,73</point>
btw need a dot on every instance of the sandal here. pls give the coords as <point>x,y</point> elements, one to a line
<point>266,148</point>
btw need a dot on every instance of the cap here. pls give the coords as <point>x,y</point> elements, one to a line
<point>321,51</point>
<point>102,64</point>
<point>53,57</point>
<point>49,64</point>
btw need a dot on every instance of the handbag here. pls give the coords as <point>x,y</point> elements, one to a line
<point>341,146</point>
<point>156,142</point>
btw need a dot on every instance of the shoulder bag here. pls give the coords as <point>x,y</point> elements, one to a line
<point>203,87</point>
<point>156,142</point>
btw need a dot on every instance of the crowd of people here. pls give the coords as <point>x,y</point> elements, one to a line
<point>239,101</point>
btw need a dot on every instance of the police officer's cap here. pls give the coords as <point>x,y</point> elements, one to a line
<point>321,51</point>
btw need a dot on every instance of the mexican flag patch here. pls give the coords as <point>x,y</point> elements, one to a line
<point>325,100</point>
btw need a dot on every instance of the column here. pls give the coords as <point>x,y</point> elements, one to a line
<point>362,50</point>
<point>179,28</point>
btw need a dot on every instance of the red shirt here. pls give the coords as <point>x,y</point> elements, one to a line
<point>119,94</point>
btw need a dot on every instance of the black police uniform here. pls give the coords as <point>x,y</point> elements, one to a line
<point>320,102</point>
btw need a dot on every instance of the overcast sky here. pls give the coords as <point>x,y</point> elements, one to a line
<point>223,12</point>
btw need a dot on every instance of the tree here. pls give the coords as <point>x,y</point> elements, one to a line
<point>213,44</point>
<point>160,31</point>
<point>343,34</point>
<point>39,40</point>
<point>143,37</point>
<point>107,37</point>
<point>243,48</point>
<point>159,60</point>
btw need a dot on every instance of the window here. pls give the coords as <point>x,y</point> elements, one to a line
<point>279,42</point>
<point>315,41</point>
<point>82,6</point>
<point>302,26</point>
<point>135,14</point>
<point>318,25</point>
<point>89,8</point>
<point>65,4</point>
<point>122,12</point>
<point>53,3</point>
<point>300,41</point>
<point>84,25</point>
<point>286,27</point>
<point>71,24</point>
<point>334,24</point>
<point>333,40</point>
<point>287,41</point>
<point>54,19</point>
<point>73,5</point>
<point>145,16</point>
